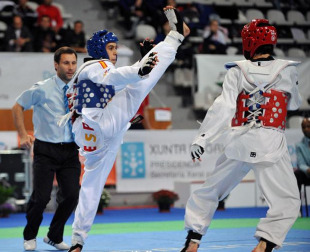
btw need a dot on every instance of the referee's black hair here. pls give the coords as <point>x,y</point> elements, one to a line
<point>63,50</point>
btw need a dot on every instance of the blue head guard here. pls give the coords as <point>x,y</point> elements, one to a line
<point>97,43</point>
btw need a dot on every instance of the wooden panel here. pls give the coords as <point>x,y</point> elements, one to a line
<point>157,124</point>
<point>7,123</point>
<point>111,180</point>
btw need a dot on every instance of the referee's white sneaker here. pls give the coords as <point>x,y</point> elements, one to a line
<point>59,246</point>
<point>30,245</point>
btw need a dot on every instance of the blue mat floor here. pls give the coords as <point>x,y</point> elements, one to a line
<point>224,239</point>
<point>140,215</point>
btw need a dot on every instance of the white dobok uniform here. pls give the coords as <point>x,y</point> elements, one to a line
<point>99,132</point>
<point>250,146</point>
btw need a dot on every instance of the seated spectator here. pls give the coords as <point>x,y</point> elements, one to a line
<point>44,36</point>
<point>47,9</point>
<point>214,39</point>
<point>17,37</point>
<point>76,38</point>
<point>303,155</point>
<point>132,12</point>
<point>28,15</point>
<point>152,11</point>
<point>191,17</point>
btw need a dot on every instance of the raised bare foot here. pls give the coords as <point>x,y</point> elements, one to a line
<point>176,22</point>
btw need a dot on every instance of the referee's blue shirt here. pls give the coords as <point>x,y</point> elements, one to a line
<point>303,154</point>
<point>47,99</point>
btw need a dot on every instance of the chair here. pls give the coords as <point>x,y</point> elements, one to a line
<point>6,4</point>
<point>6,9</point>
<point>224,2</point>
<point>285,41</point>
<point>277,17</point>
<point>296,53</point>
<point>32,5</point>
<point>245,3</point>
<point>254,14</point>
<point>231,50</point>
<point>304,187</point>
<point>183,77</point>
<point>278,52</point>
<point>178,77</point>
<point>295,122</point>
<point>63,13</point>
<point>296,17</point>
<point>241,18</point>
<point>299,36</point>
<point>199,101</point>
<point>263,3</point>
<point>237,40</point>
<point>145,31</point>
<point>3,27</point>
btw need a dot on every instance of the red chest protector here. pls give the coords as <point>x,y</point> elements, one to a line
<point>267,109</point>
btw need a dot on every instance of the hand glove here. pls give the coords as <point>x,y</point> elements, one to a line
<point>196,151</point>
<point>148,64</point>
<point>146,46</point>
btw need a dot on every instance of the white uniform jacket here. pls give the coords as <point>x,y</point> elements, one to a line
<point>104,72</point>
<point>241,142</point>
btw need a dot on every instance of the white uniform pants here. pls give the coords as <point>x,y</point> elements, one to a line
<point>105,132</point>
<point>276,181</point>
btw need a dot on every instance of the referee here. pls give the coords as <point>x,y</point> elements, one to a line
<point>54,150</point>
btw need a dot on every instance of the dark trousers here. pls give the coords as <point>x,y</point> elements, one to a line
<point>50,159</point>
<point>302,178</point>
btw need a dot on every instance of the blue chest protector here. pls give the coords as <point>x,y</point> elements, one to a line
<point>91,95</point>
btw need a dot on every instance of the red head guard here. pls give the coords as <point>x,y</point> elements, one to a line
<point>256,33</point>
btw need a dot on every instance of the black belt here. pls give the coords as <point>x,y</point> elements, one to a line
<point>60,143</point>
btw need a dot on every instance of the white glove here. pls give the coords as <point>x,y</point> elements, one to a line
<point>148,64</point>
<point>196,151</point>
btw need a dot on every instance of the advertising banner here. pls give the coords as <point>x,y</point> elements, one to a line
<point>151,160</point>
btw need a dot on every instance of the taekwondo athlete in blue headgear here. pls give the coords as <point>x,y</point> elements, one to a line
<point>100,128</point>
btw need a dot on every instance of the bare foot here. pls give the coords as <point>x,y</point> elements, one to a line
<point>261,247</point>
<point>192,247</point>
<point>176,22</point>
<point>77,250</point>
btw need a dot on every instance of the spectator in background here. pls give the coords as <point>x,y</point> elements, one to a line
<point>76,38</point>
<point>214,39</point>
<point>132,12</point>
<point>44,36</point>
<point>303,155</point>
<point>28,15</point>
<point>152,10</point>
<point>47,9</point>
<point>191,16</point>
<point>17,37</point>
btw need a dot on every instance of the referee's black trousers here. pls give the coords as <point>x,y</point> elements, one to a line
<point>50,159</point>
